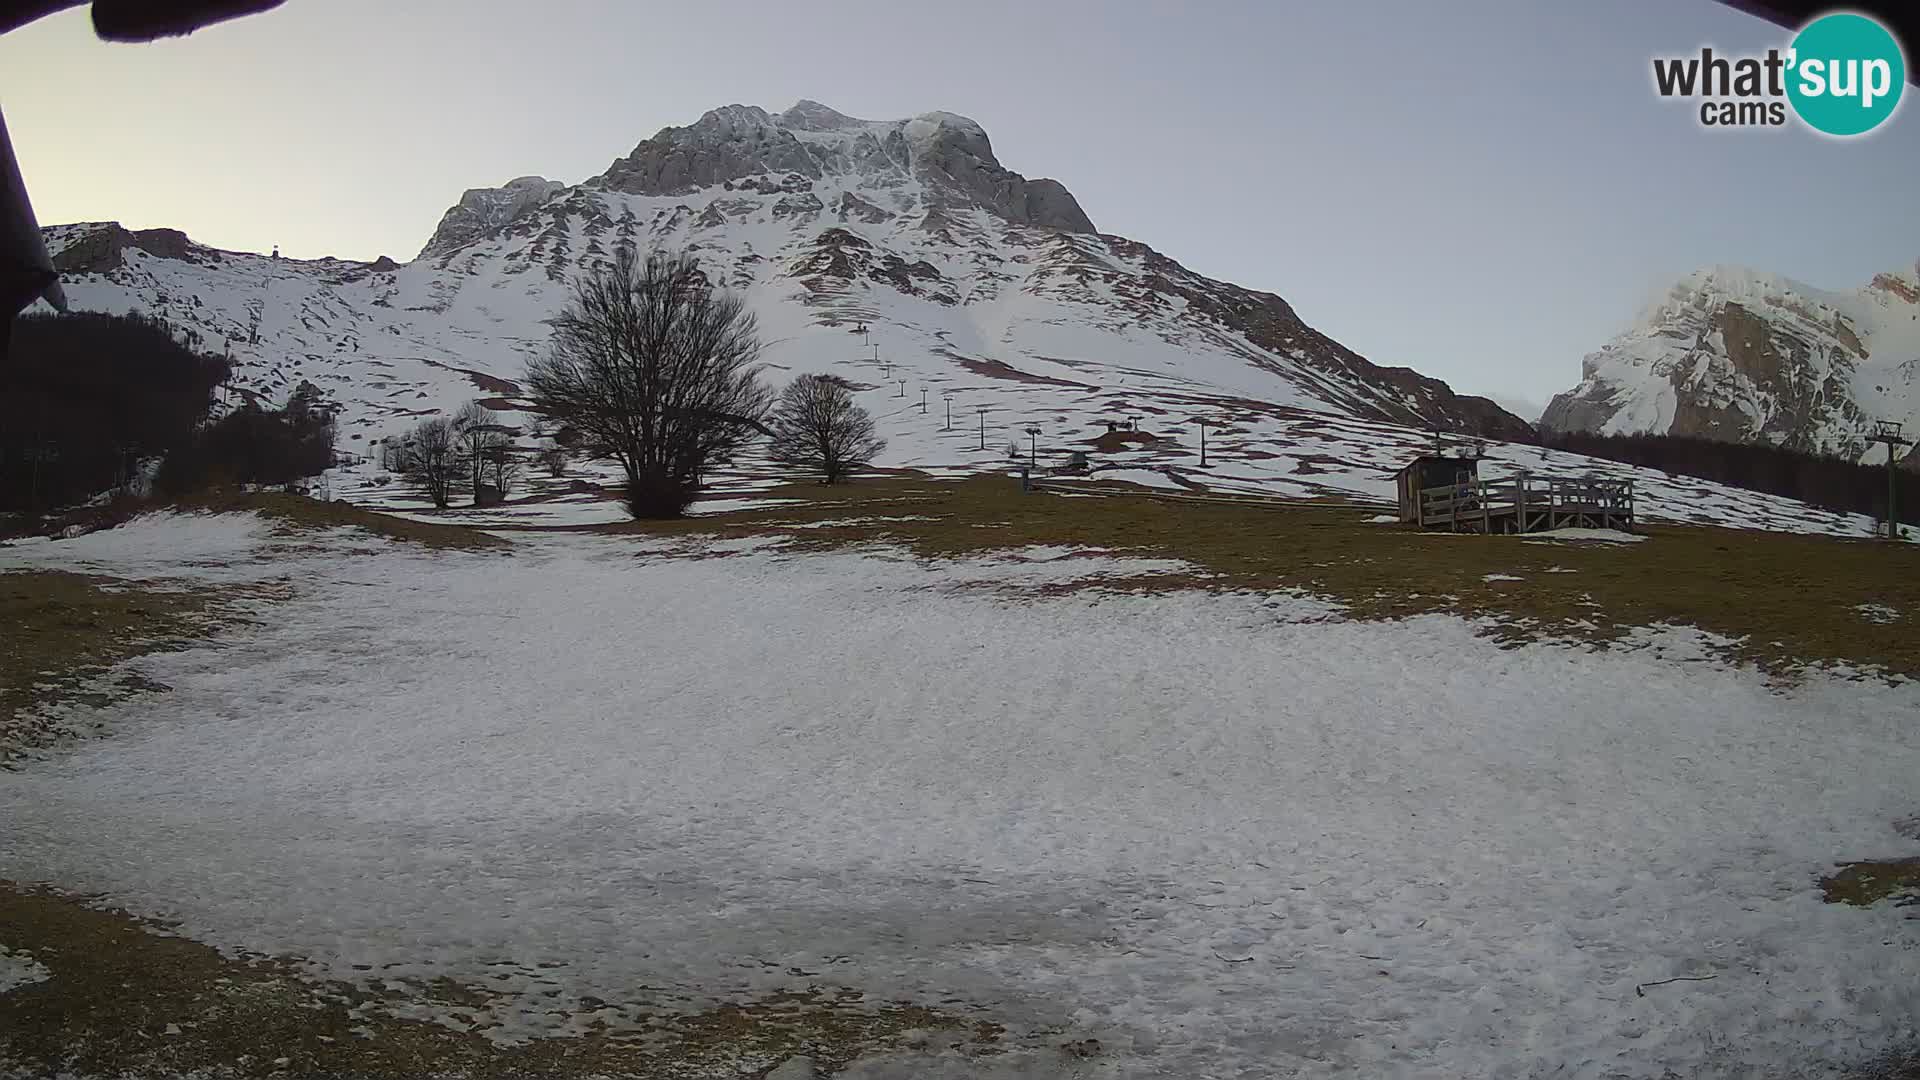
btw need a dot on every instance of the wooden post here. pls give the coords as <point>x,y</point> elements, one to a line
<point>1520,503</point>
<point>1486,516</point>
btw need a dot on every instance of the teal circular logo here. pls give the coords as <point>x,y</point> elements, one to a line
<point>1845,74</point>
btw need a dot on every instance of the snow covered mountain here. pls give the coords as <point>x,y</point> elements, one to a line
<point>970,279</point>
<point>1736,354</point>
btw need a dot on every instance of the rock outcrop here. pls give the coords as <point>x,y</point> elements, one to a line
<point>484,210</point>
<point>1744,356</point>
<point>738,143</point>
<point>102,249</point>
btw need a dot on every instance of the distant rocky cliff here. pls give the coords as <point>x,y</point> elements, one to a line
<point>1740,355</point>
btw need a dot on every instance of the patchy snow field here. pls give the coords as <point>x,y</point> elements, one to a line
<point>1225,835</point>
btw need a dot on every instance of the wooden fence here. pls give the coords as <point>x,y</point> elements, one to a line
<point>1525,504</point>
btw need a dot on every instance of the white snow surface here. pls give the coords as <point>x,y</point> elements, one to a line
<point>1227,835</point>
<point>1609,536</point>
<point>18,968</point>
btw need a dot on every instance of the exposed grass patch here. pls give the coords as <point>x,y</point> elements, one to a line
<point>1785,600</point>
<point>298,512</point>
<point>1868,882</point>
<point>1113,441</point>
<point>123,999</point>
<point>63,630</point>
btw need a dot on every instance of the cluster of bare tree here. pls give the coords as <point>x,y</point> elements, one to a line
<point>654,367</point>
<point>470,447</point>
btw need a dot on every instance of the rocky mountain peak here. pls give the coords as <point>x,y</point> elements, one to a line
<point>948,154</point>
<point>482,210</point>
<point>729,119</point>
<point>809,115</point>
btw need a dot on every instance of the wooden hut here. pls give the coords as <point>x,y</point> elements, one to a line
<point>1433,470</point>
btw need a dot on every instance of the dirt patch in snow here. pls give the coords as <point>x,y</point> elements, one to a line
<point>1871,881</point>
<point>1115,441</point>
<point>999,369</point>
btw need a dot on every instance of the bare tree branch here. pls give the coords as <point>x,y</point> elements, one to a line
<point>430,457</point>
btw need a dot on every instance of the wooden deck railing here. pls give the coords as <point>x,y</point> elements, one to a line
<point>1527,504</point>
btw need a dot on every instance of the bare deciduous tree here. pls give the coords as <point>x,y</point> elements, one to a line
<point>486,447</point>
<point>817,425</point>
<point>431,458</point>
<point>500,465</point>
<point>656,368</point>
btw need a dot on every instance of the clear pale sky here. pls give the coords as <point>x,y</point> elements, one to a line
<point>1484,191</point>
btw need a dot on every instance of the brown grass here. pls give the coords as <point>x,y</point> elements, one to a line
<point>1114,441</point>
<point>123,999</point>
<point>63,630</point>
<point>298,512</point>
<point>1785,600</point>
<point>1868,882</point>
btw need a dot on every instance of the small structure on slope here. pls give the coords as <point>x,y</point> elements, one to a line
<point>1434,471</point>
<point>1443,490</point>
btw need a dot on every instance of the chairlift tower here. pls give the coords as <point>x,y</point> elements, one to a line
<point>1888,432</point>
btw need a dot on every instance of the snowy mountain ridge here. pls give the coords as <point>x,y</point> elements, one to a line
<point>1743,355</point>
<point>967,278</point>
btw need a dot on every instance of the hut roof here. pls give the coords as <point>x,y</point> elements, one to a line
<point>1462,458</point>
